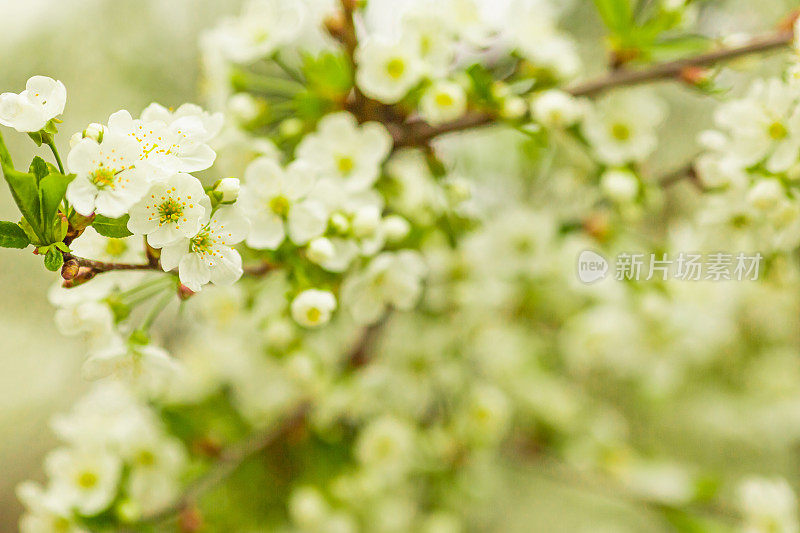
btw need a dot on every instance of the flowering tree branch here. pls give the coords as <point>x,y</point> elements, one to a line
<point>416,132</point>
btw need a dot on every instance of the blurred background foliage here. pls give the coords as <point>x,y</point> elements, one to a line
<point>114,54</point>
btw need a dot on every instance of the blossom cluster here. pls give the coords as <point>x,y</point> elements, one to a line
<point>381,318</point>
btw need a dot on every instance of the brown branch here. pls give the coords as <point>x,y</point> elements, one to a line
<point>229,460</point>
<point>674,69</point>
<point>260,269</point>
<point>417,133</point>
<point>361,353</point>
<point>101,266</point>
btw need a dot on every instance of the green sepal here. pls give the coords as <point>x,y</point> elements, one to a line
<point>119,309</point>
<point>51,128</point>
<point>12,236</point>
<point>37,137</point>
<point>53,259</point>
<point>139,338</point>
<point>112,227</point>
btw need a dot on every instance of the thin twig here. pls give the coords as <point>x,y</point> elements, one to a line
<point>101,266</point>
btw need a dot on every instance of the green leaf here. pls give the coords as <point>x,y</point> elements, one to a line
<point>5,157</point>
<point>52,189</point>
<point>53,259</point>
<point>26,195</point>
<point>38,168</point>
<point>678,47</point>
<point>112,227</point>
<point>616,14</point>
<point>482,82</point>
<point>328,74</point>
<point>12,236</point>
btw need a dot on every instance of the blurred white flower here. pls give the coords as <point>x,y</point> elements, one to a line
<point>391,278</point>
<point>276,202</point>
<point>387,71</point>
<point>622,127</point>
<point>768,505</point>
<point>312,308</point>
<point>84,478</point>
<point>443,101</point>
<point>340,149</point>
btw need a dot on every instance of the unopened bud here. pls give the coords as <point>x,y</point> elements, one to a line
<point>184,292</point>
<point>70,269</point>
<point>95,131</point>
<point>291,127</point>
<point>366,221</point>
<point>513,107</point>
<point>396,227</point>
<point>244,107</point>
<point>340,223</point>
<point>619,185</point>
<point>190,520</point>
<point>229,187</point>
<point>695,75</point>
<point>320,250</point>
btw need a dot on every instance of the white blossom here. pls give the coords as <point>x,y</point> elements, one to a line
<point>108,181</point>
<point>170,211</point>
<point>208,256</point>
<point>29,111</point>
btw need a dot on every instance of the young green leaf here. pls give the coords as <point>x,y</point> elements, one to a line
<point>112,227</point>
<point>53,259</point>
<point>616,14</point>
<point>39,168</point>
<point>12,236</point>
<point>26,195</point>
<point>52,189</point>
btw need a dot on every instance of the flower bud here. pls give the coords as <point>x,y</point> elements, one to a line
<point>619,185</point>
<point>291,127</point>
<point>340,223</point>
<point>556,109</point>
<point>765,194</point>
<point>513,107</point>
<point>396,227</point>
<point>229,187</point>
<point>366,221</point>
<point>320,250</point>
<point>243,107</point>
<point>95,131</point>
<point>70,269</point>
